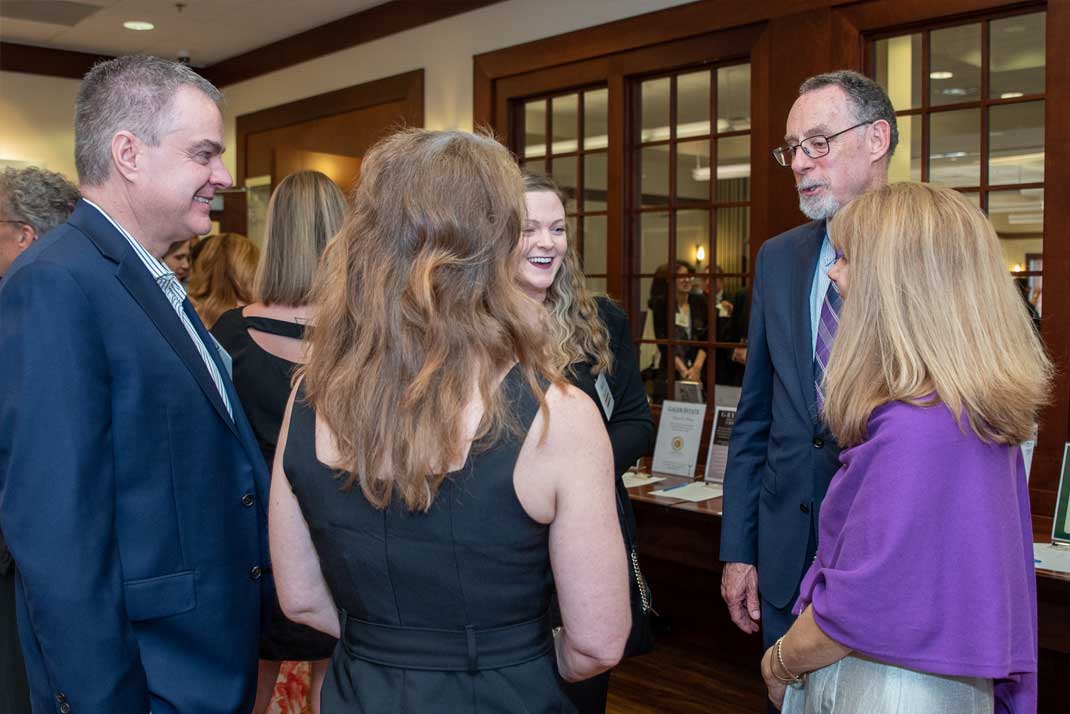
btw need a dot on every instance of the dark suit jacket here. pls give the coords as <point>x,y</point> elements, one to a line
<point>781,457</point>
<point>133,504</point>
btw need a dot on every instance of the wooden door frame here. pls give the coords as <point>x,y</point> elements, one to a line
<point>406,88</point>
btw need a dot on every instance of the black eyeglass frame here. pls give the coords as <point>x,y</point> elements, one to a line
<point>780,151</point>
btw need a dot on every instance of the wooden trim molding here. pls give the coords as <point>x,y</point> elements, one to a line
<point>407,87</point>
<point>42,60</point>
<point>359,28</point>
<point>356,29</point>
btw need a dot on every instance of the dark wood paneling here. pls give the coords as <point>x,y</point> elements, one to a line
<point>647,30</point>
<point>372,24</point>
<point>883,15</point>
<point>41,60</point>
<point>397,100</point>
<point>1055,324</point>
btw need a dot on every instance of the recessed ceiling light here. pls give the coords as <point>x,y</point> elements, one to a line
<point>139,25</point>
<point>940,75</point>
<point>955,91</point>
<point>1010,95</point>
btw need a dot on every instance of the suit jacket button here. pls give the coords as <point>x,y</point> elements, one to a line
<point>60,697</point>
<point>818,442</point>
<point>64,708</point>
<point>247,500</point>
<point>254,572</point>
<point>804,507</point>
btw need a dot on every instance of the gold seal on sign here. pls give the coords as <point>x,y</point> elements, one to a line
<point>677,443</point>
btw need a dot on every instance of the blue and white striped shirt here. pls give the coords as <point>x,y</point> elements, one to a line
<point>176,295</point>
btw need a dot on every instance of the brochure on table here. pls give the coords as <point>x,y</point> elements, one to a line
<point>679,432</point>
<point>1060,532</point>
<point>717,456</point>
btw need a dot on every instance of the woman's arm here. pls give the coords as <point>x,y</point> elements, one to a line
<point>303,593</point>
<point>565,478</point>
<point>803,649</point>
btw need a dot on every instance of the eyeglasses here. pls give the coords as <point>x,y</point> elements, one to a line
<point>813,146</point>
<point>21,223</point>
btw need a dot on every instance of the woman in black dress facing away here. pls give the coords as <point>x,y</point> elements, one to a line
<point>265,340</point>
<point>593,347</point>
<point>438,473</point>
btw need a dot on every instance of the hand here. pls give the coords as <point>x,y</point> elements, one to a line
<point>775,686</point>
<point>725,308</point>
<point>739,354</point>
<point>739,588</point>
<point>694,373</point>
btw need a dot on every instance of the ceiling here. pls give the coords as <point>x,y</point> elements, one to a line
<point>208,31</point>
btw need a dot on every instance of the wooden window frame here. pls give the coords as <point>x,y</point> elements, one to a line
<point>788,42</point>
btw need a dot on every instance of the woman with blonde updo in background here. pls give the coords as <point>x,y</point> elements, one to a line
<point>436,476</point>
<point>222,277</point>
<point>266,341</point>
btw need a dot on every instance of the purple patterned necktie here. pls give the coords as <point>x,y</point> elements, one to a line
<point>826,334</point>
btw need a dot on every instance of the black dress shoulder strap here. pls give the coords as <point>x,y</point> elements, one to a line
<point>282,328</point>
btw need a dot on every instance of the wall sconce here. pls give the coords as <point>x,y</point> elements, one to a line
<point>1016,268</point>
<point>700,255</point>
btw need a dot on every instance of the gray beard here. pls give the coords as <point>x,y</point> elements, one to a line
<point>817,209</point>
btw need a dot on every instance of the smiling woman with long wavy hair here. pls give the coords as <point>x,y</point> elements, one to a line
<point>438,477</point>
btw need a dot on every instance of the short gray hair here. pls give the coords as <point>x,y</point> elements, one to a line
<point>868,99</point>
<point>43,199</point>
<point>127,93</point>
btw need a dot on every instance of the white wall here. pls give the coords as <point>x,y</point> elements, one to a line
<point>36,121</point>
<point>36,112</point>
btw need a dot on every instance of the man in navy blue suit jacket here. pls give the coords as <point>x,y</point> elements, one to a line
<point>132,491</point>
<point>841,133</point>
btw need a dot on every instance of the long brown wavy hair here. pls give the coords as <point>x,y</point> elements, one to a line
<point>930,307</point>
<point>419,310</point>
<point>577,332</point>
<point>223,276</point>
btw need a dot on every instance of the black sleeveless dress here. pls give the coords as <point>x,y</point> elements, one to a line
<point>444,611</point>
<point>262,382</point>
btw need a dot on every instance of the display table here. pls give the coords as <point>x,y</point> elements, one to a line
<point>677,532</point>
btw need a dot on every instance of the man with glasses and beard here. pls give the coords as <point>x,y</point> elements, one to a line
<point>840,136</point>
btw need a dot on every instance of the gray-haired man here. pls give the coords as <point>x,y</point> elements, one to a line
<point>32,202</point>
<point>132,489</point>
<point>841,132</point>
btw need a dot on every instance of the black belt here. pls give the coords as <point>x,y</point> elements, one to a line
<point>468,650</point>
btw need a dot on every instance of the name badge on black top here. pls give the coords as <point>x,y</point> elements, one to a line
<point>605,395</point>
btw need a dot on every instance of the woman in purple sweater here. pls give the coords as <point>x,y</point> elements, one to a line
<point>922,595</point>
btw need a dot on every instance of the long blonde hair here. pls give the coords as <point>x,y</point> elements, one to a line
<point>577,332</point>
<point>222,277</point>
<point>930,307</point>
<point>419,306</point>
<point>305,211</point>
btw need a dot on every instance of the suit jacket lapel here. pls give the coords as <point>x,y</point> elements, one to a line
<point>239,424</point>
<point>139,283</point>
<point>802,281</point>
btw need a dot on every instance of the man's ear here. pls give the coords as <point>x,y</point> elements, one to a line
<point>125,153</point>
<point>27,235</point>
<point>879,139</point>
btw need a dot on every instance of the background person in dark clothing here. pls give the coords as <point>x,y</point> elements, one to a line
<point>32,202</point>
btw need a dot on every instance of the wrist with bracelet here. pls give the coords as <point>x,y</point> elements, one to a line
<point>792,679</point>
